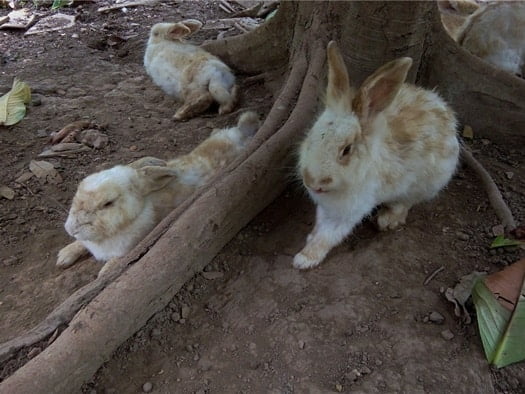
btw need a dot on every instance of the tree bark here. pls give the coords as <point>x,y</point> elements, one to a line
<point>370,34</point>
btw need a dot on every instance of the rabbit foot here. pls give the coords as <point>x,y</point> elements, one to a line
<point>392,216</point>
<point>69,254</point>
<point>303,261</point>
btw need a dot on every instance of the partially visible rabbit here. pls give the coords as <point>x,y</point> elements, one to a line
<point>189,73</point>
<point>454,13</point>
<point>114,209</point>
<point>389,143</point>
<point>496,34</point>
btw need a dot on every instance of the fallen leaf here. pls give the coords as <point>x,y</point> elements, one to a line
<point>500,241</point>
<point>19,19</point>
<point>60,3</point>
<point>500,308</point>
<point>7,192</point>
<point>73,127</point>
<point>24,177</point>
<point>467,132</point>
<point>53,22</point>
<point>461,293</point>
<point>45,170</point>
<point>12,104</point>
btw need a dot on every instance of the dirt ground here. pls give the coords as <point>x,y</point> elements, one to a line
<point>250,323</point>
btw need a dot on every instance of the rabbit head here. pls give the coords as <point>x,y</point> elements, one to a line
<point>173,31</point>
<point>343,134</point>
<point>114,201</point>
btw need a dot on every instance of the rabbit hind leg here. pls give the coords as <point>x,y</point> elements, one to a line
<point>195,103</point>
<point>227,98</point>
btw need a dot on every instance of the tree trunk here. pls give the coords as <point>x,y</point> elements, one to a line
<point>370,34</point>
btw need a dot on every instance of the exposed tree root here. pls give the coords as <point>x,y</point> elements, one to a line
<point>499,205</point>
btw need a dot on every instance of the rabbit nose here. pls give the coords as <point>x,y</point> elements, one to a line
<point>315,185</point>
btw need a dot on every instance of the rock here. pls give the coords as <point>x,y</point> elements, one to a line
<point>447,334</point>
<point>462,236</point>
<point>9,261</point>
<point>7,192</point>
<point>147,387</point>
<point>498,230</point>
<point>509,174</point>
<point>338,387</point>
<point>155,333</point>
<point>436,317</point>
<point>189,348</point>
<point>185,311</point>
<point>37,101</point>
<point>175,316</point>
<point>196,357</point>
<point>94,138</point>
<point>301,344</point>
<point>352,375</point>
<point>365,370</point>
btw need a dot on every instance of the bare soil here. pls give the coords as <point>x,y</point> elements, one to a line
<point>250,323</point>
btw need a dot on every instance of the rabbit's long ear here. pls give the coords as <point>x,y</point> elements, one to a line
<point>178,31</point>
<point>192,24</point>
<point>338,92</point>
<point>379,89</point>
<point>152,178</point>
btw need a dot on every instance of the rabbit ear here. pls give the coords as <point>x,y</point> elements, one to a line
<point>192,24</point>
<point>338,92</point>
<point>380,88</point>
<point>177,31</point>
<point>152,178</point>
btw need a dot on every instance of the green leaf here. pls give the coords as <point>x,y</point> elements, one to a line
<point>12,104</point>
<point>60,3</point>
<point>500,241</point>
<point>502,330</point>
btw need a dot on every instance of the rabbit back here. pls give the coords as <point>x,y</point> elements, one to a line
<point>496,34</point>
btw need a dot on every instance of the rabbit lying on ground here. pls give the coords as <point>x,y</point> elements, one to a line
<point>187,72</point>
<point>389,143</point>
<point>496,34</point>
<point>114,209</point>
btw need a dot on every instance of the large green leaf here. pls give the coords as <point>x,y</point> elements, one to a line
<point>502,329</point>
<point>12,104</point>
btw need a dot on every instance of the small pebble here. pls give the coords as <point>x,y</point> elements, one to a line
<point>338,387</point>
<point>365,370</point>
<point>462,236</point>
<point>175,316</point>
<point>147,387</point>
<point>196,357</point>
<point>185,311</point>
<point>436,317</point>
<point>301,344</point>
<point>352,375</point>
<point>74,35</point>
<point>447,334</point>
<point>155,333</point>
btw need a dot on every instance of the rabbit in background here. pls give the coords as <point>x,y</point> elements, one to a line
<point>190,74</point>
<point>114,209</point>
<point>496,34</point>
<point>388,143</point>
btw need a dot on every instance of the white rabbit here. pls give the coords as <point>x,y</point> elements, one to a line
<point>496,34</point>
<point>389,143</point>
<point>189,73</point>
<point>114,209</point>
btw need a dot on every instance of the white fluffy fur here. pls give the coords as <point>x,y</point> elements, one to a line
<point>399,155</point>
<point>187,72</point>
<point>114,209</point>
<point>496,34</point>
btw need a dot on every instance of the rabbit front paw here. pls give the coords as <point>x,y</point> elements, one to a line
<point>69,254</point>
<point>302,261</point>
<point>392,216</point>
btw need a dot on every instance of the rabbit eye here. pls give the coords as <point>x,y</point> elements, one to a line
<point>108,204</point>
<point>346,150</point>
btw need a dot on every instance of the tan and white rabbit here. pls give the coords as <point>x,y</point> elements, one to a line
<point>189,73</point>
<point>114,209</point>
<point>389,143</point>
<point>496,34</point>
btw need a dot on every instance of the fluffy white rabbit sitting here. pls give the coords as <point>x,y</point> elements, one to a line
<point>389,143</point>
<point>496,34</point>
<point>189,73</point>
<point>114,209</point>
